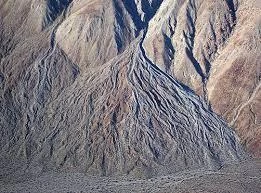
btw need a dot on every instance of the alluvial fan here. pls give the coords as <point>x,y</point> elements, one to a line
<point>80,90</point>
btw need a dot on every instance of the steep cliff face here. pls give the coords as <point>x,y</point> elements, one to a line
<point>99,86</point>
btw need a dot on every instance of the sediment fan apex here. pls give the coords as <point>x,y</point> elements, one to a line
<point>79,91</point>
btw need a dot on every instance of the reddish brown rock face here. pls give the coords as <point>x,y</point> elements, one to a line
<point>214,48</point>
<point>234,85</point>
<point>125,87</point>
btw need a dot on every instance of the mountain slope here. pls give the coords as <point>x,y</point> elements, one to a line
<point>214,48</point>
<point>79,91</point>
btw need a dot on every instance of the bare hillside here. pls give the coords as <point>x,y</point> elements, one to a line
<point>142,88</point>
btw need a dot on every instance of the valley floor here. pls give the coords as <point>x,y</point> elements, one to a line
<point>240,178</point>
